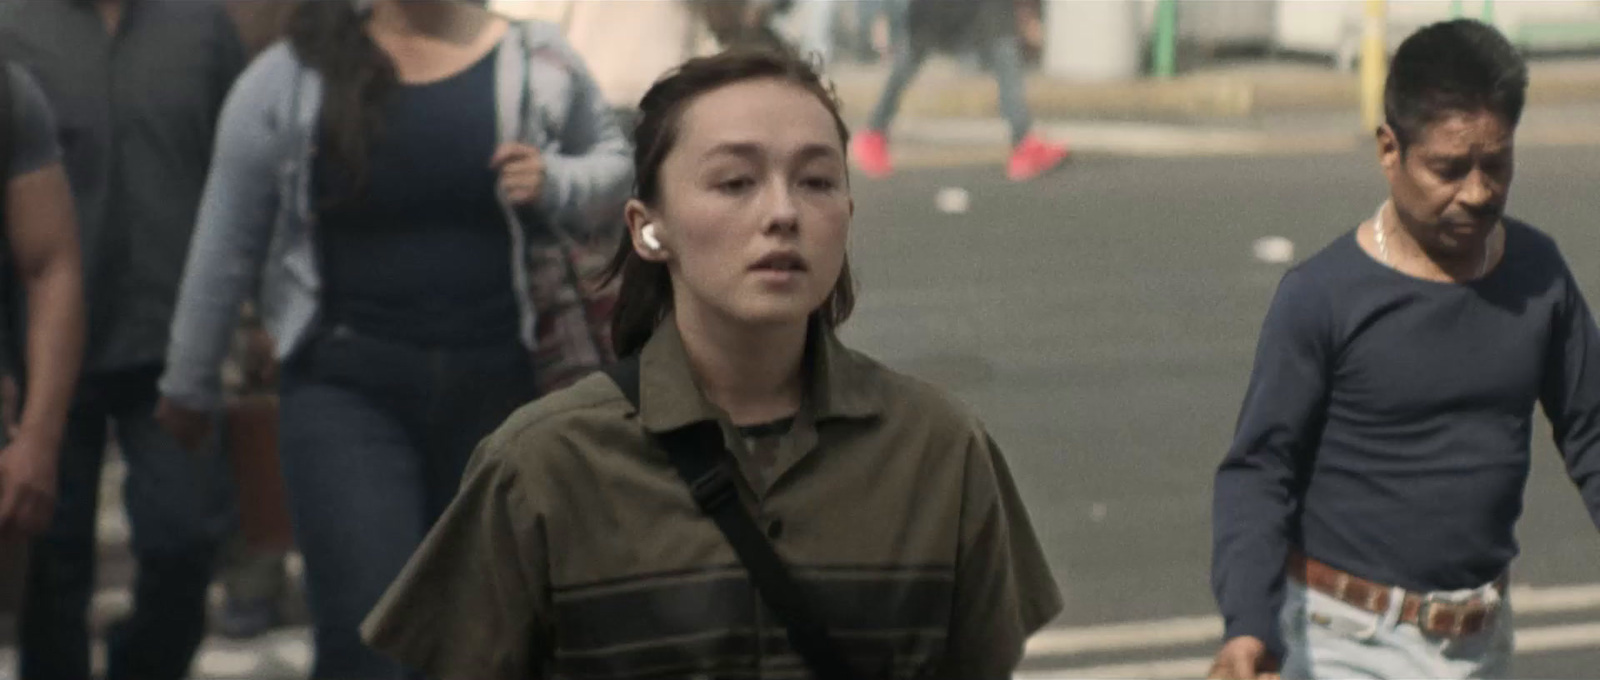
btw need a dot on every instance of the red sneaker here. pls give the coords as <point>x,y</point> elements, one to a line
<point>1034,157</point>
<point>871,150</point>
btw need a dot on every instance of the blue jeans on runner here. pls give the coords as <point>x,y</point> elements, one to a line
<point>374,438</point>
<point>1327,638</point>
<point>179,506</point>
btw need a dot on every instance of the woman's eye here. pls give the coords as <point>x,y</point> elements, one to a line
<point>820,183</point>
<point>735,185</point>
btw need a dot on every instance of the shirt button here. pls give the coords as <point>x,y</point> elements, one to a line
<point>775,529</point>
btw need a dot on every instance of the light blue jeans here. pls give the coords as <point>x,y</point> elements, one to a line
<point>1327,638</point>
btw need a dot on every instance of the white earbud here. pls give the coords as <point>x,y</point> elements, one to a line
<point>648,235</point>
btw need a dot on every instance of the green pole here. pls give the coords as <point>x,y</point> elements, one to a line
<point>1164,50</point>
<point>1457,10</point>
<point>1488,12</point>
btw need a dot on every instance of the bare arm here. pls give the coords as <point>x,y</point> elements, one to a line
<point>43,231</point>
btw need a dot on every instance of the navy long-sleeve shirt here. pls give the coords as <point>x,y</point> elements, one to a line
<point>1386,427</point>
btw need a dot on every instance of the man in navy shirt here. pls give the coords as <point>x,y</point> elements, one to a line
<point>1363,519</point>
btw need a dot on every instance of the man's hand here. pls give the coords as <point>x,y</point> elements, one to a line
<point>522,172</point>
<point>1244,658</point>
<point>190,427</point>
<point>27,488</point>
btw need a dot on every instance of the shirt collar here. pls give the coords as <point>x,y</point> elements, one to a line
<point>841,383</point>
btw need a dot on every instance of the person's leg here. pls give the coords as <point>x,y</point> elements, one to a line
<point>908,58</point>
<point>870,148</point>
<point>54,637</point>
<point>253,575</point>
<point>180,508</point>
<point>1031,156</point>
<point>253,583</point>
<point>356,489</point>
<point>1004,58</point>
<point>475,392</point>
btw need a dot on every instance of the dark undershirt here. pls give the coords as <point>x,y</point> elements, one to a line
<point>765,446</point>
<point>424,256</point>
<point>776,428</point>
<point>1386,428</point>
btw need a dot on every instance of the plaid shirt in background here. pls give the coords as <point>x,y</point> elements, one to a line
<point>573,335</point>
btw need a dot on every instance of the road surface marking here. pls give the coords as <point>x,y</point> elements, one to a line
<point>1528,641</point>
<point>1558,638</point>
<point>1177,632</point>
<point>1153,670</point>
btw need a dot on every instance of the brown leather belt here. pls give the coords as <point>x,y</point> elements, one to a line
<point>1432,615</point>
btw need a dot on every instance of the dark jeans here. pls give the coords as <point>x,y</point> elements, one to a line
<point>179,507</point>
<point>374,438</point>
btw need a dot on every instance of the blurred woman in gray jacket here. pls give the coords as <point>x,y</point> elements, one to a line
<point>387,181</point>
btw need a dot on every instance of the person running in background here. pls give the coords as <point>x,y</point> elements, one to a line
<point>917,27</point>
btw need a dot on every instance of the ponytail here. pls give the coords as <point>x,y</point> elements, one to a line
<point>330,36</point>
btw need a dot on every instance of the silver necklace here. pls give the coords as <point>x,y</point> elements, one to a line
<point>1380,236</point>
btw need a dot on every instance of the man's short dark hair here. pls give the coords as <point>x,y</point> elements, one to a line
<point>1460,66</point>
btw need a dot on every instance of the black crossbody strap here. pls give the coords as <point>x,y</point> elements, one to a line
<point>700,457</point>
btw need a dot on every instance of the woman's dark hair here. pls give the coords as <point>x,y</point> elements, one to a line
<point>645,296</point>
<point>330,37</point>
<point>1460,66</point>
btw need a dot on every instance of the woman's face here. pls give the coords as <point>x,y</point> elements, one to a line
<point>754,209</point>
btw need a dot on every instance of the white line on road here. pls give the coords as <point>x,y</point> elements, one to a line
<point>1558,638</point>
<point>1124,636</point>
<point>1528,600</point>
<point>1529,641</point>
<point>1555,599</point>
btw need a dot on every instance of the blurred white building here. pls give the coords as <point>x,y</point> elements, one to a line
<point>626,43</point>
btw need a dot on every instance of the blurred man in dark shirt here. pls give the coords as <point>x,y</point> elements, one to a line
<point>136,86</point>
